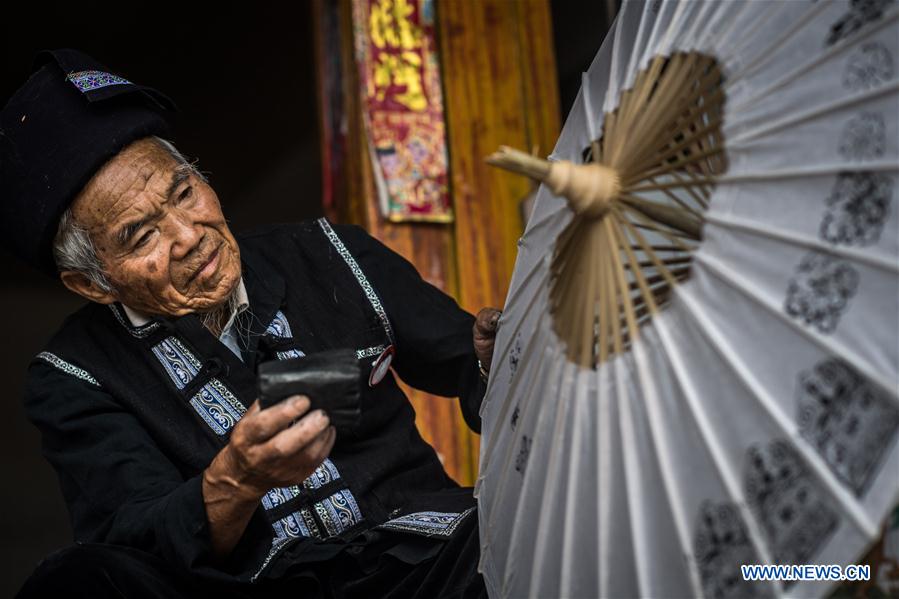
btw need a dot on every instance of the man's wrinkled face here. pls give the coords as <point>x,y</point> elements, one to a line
<point>159,231</point>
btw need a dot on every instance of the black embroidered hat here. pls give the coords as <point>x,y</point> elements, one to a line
<point>57,130</point>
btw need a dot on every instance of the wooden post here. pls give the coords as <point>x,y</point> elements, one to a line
<point>500,87</point>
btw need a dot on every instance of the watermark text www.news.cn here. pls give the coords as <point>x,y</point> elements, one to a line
<point>806,572</point>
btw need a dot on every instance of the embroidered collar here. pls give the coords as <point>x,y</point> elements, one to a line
<point>140,325</point>
<point>138,319</point>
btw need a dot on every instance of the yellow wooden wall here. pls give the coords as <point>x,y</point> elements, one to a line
<point>500,87</point>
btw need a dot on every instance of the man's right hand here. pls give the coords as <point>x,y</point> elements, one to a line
<point>265,451</point>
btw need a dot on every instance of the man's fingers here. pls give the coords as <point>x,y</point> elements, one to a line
<point>487,321</point>
<point>321,446</point>
<point>261,425</point>
<point>301,434</point>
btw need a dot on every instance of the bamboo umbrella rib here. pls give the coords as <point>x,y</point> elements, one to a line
<point>642,100</point>
<point>616,124</point>
<point>672,236</point>
<point>609,131</point>
<point>678,260</point>
<point>679,183</point>
<point>695,183</point>
<point>696,125</point>
<point>679,274</point>
<point>612,297</point>
<point>662,269</point>
<point>630,100</point>
<point>588,309</point>
<point>669,90</point>
<point>665,152</point>
<point>635,267</point>
<point>673,218</point>
<point>563,251</point>
<point>605,312</point>
<point>667,248</point>
<point>675,166</point>
<point>714,97</point>
<point>680,202</point>
<point>621,286</point>
<point>652,74</point>
<point>565,296</point>
<point>654,227</point>
<point>676,102</point>
<point>575,289</point>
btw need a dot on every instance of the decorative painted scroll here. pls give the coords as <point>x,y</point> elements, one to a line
<point>399,76</point>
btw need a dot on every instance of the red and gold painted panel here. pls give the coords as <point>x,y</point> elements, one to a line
<point>402,107</point>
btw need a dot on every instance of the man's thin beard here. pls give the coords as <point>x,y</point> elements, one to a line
<point>218,316</point>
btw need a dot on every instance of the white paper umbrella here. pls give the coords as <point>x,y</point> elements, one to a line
<point>697,365</point>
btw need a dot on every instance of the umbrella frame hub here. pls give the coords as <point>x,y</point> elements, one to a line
<point>638,201</point>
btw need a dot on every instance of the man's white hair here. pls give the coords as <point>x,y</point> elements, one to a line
<point>72,246</point>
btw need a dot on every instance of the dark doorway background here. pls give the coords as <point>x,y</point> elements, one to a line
<point>243,77</point>
<point>579,26</point>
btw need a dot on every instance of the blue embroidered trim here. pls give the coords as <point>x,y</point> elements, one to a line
<point>338,512</point>
<point>299,523</point>
<point>309,521</point>
<point>61,364</point>
<point>360,276</point>
<point>87,81</point>
<point>290,526</point>
<point>179,363</point>
<point>325,473</point>
<point>214,402</point>
<point>278,495</point>
<point>217,406</point>
<point>428,523</point>
<point>279,327</point>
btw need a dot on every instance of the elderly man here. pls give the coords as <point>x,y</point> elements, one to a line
<point>177,482</point>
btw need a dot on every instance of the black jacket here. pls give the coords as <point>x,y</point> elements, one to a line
<point>130,416</point>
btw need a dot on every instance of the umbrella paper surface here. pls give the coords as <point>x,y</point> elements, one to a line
<point>696,368</point>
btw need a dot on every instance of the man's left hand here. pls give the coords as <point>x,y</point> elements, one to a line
<point>484,330</point>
